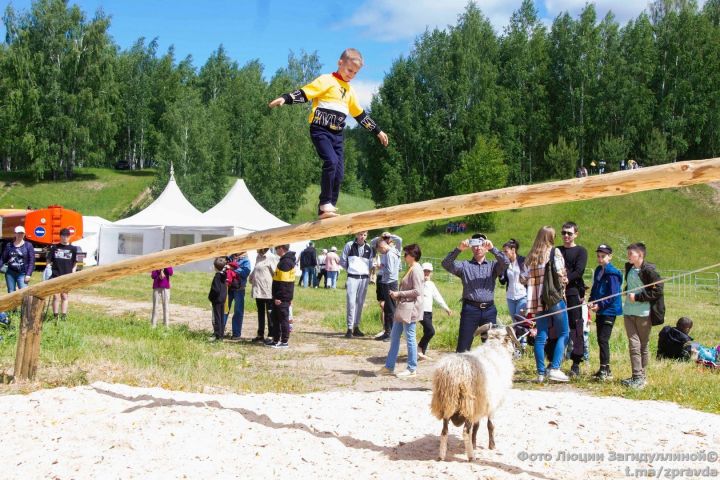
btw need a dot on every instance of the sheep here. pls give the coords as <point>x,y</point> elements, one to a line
<point>472,385</point>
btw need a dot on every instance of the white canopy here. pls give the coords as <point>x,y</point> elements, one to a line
<point>240,208</point>
<point>170,208</point>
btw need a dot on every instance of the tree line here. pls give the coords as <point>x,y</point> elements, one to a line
<point>468,109</point>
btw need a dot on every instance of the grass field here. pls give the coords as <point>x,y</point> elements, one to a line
<point>679,225</point>
<point>94,191</point>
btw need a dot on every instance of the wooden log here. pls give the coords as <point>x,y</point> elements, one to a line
<point>28,344</point>
<point>680,174</point>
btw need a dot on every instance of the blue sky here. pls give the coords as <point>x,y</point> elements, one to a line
<point>269,29</point>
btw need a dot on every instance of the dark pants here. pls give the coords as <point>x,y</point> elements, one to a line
<point>605,325</point>
<point>322,275</point>
<point>264,308</point>
<point>389,305</point>
<point>472,317</point>
<point>281,322</point>
<point>329,147</point>
<point>575,322</point>
<point>428,331</point>
<point>218,319</point>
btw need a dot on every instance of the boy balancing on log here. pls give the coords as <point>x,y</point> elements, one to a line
<point>332,99</point>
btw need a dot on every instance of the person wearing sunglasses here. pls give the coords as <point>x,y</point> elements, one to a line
<point>575,262</point>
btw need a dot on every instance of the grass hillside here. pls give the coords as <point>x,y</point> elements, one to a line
<point>680,226</point>
<point>108,193</point>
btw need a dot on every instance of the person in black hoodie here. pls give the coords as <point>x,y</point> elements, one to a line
<point>218,297</point>
<point>283,288</point>
<point>675,342</point>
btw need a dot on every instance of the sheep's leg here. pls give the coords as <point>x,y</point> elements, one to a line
<point>476,426</point>
<point>468,440</point>
<point>443,439</point>
<point>491,434</point>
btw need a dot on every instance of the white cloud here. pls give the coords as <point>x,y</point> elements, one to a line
<point>365,91</point>
<point>392,20</point>
<point>624,10</point>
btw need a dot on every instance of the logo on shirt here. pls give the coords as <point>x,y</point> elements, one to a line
<point>343,92</point>
<point>40,231</point>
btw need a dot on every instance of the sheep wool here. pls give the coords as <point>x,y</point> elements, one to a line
<point>470,386</point>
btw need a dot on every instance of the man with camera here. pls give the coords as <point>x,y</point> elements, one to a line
<point>478,278</point>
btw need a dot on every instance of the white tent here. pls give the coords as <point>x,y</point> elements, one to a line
<point>170,221</point>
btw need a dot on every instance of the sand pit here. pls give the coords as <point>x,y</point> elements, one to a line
<point>116,431</point>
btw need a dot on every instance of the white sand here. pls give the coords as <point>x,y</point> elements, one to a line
<point>116,431</point>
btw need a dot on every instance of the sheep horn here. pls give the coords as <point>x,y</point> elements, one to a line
<point>483,329</point>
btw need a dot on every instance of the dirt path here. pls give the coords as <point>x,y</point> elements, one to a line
<point>325,359</point>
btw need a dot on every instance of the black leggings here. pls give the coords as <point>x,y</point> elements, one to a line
<point>428,331</point>
<point>604,330</point>
<point>264,307</point>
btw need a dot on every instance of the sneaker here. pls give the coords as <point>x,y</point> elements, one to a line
<point>634,382</point>
<point>269,342</point>
<point>348,333</point>
<point>422,356</point>
<point>328,207</point>
<point>383,337</point>
<point>281,345</point>
<point>379,334</point>
<point>556,375</point>
<point>540,378</point>
<point>384,371</point>
<point>357,333</point>
<point>325,215</point>
<point>574,370</point>
<point>213,339</point>
<point>406,374</point>
<point>236,338</point>
<point>602,374</point>
<point>258,339</point>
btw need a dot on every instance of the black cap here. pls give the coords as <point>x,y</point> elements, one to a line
<point>604,249</point>
<point>65,232</point>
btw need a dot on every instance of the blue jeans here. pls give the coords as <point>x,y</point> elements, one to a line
<point>238,312</point>
<point>514,306</point>
<point>472,317</point>
<point>332,279</point>
<point>309,276</point>
<point>560,323</point>
<point>395,333</point>
<point>14,280</point>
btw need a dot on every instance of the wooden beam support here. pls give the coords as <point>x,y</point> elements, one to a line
<point>28,344</point>
<point>680,174</point>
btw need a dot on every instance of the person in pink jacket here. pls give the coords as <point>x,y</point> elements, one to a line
<point>161,294</point>
<point>332,267</point>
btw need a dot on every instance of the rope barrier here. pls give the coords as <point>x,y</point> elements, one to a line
<point>663,280</point>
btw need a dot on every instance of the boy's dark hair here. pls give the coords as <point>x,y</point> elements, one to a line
<point>285,246</point>
<point>572,225</point>
<point>479,235</point>
<point>219,263</point>
<point>512,243</point>
<point>684,323</point>
<point>65,232</point>
<point>638,246</point>
<point>413,250</point>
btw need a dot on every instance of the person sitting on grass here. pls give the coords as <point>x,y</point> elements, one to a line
<point>675,342</point>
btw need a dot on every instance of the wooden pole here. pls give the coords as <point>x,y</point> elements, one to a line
<point>28,344</point>
<point>680,174</point>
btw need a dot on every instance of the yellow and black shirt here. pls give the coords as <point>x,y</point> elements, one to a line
<point>283,284</point>
<point>333,99</point>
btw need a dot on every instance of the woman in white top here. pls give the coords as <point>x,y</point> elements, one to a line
<point>430,293</point>
<point>516,291</point>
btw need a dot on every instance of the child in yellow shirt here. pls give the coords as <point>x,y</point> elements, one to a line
<point>332,100</point>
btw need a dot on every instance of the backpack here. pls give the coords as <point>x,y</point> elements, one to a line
<point>552,291</point>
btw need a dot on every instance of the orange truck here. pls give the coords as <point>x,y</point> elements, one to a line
<point>42,228</point>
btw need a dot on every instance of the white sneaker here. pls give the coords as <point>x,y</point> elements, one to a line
<point>328,207</point>
<point>540,379</point>
<point>556,375</point>
<point>378,335</point>
<point>406,374</point>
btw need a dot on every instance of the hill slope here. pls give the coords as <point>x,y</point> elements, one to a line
<point>108,193</point>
